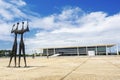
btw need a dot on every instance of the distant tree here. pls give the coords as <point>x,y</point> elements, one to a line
<point>5,53</point>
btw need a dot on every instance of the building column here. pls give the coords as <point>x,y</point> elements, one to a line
<point>78,51</point>
<point>47,53</point>
<point>117,49</point>
<point>106,50</point>
<point>54,50</point>
<point>110,50</point>
<point>86,50</point>
<point>96,50</point>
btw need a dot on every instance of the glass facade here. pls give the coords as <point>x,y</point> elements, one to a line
<point>82,51</point>
<point>99,50</point>
<point>91,48</point>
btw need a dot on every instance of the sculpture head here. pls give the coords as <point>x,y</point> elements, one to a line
<point>22,25</point>
<point>14,30</point>
<point>17,23</point>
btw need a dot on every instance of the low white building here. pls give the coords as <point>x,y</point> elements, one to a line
<point>90,50</point>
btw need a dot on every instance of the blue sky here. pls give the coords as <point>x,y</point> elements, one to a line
<point>47,7</point>
<point>55,23</point>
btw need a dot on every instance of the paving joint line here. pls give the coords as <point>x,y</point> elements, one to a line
<point>74,69</point>
<point>112,64</point>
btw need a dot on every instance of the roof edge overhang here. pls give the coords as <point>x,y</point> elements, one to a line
<point>108,45</point>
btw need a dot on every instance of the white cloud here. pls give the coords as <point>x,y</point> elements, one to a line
<point>18,2</point>
<point>10,13</point>
<point>72,26</point>
<point>75,27</point>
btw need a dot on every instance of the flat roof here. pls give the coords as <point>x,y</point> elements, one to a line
<point>108,45</point>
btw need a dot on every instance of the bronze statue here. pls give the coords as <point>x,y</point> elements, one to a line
<point>21,44</point>
<point>14,48</point>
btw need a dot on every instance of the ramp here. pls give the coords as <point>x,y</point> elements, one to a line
<point>55,55</point>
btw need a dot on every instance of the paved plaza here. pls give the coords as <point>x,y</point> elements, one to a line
<point>63,68</point>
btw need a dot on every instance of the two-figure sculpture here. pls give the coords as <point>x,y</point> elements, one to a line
<point>21,44</point>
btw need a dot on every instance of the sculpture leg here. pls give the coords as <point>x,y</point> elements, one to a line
<point>15,59</point>
<point>15,53</point>
<point>19,56</point>
<point>10,59</point>
<point>24,56</point>
<point>11,55</point>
